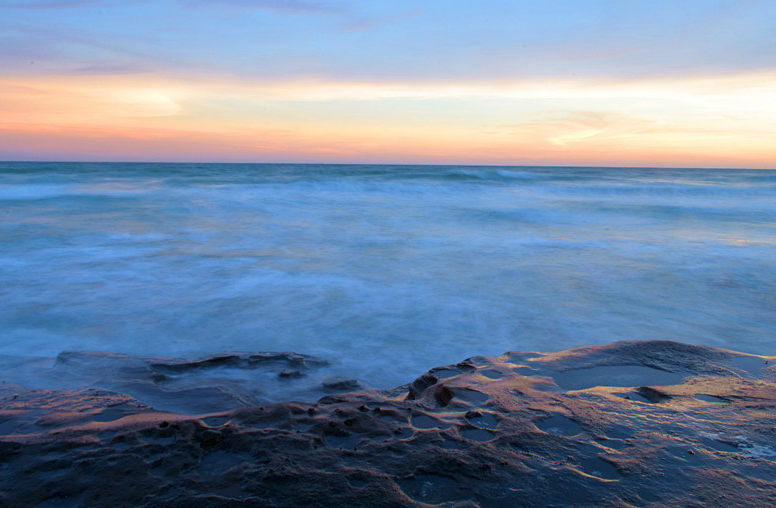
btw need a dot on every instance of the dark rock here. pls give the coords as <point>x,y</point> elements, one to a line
<point>341,383</point>
<point>652,395</point>
<point>291,373</point>
<point>443,395</point>
<point>420,385</point>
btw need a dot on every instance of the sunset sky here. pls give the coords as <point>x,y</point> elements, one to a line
<point>559,82</point>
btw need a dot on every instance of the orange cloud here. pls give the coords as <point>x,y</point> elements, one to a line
<point>728,121</point>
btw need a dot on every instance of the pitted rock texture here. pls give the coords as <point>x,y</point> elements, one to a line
<point>628,424</point>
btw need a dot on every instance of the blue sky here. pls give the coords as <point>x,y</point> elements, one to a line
<point>389,40</point>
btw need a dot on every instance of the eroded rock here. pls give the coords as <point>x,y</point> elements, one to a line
<point>454,437</point>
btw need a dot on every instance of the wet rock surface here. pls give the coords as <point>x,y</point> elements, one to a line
<point>628,424</point>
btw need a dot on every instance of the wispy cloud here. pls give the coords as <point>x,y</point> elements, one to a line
<point>289,6</point>
<point>365,22</point>
<point>57,4</point>
<point>111,68</point>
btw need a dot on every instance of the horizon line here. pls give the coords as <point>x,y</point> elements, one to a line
<point>256,163</point>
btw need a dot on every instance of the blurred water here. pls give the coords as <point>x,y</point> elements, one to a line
<point>385,270</point>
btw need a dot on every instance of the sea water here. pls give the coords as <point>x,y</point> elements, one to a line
<point>385,271</point>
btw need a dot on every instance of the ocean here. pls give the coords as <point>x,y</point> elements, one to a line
<point>384,271</point>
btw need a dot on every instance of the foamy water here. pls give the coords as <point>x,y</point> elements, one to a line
<point>386,271</point>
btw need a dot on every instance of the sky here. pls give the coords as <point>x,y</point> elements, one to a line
<point>557,82</point>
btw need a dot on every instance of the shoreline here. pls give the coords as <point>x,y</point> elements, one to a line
<point>629,423</point>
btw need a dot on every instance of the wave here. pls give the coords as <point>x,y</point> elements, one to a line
<point>39,192</point>
<point>30,192</point>
<point>491,174</point>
